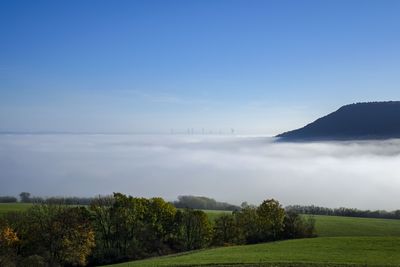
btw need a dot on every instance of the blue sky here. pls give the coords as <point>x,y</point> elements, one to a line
<point>149,66</point>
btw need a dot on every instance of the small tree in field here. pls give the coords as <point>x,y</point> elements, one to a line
<point>271,217</point>
<point>25,197</point>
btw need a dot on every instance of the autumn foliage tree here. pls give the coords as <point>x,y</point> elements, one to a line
<point>271,218</point>
<point>8,244</point>
<point>59,235</point>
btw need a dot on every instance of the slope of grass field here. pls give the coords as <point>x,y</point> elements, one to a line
<point>332,226</point>
<point>323,251</point>
<point>213,214</point>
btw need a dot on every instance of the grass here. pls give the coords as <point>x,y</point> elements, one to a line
<point>11,207</point>
<point>334,226</point>
<point>213,214</point>
<point>323,251</point>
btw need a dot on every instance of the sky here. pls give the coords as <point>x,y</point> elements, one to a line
<point>260,67</point>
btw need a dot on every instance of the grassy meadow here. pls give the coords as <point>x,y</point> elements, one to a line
<point>11,207</point>
<point>335,226</point>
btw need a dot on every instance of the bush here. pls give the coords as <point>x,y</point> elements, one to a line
<point>296,226</point>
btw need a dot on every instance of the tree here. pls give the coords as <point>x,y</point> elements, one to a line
<point>103,225</point>
<point>246,221</point>
<point>225,230</point>
<point>25,197</point>
<point>9,242</point>
<point>132,228</point>
<point>296,226</point>
<point>293,225</point>
<point>271,216</point>
<point>159,225</point>
<point>128,223</point>
<point>61,235</point>
<point>193,229</point>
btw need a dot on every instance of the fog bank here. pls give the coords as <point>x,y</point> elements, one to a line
<point>363,174</point>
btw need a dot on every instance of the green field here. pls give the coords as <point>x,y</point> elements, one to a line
<point>213,214</point>
<point>333,226</point>
<point>323,251</point>
<point>10,207</point>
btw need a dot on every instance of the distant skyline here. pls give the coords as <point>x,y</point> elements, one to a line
<point>259,67</point>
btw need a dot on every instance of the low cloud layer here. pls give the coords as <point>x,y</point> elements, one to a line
<point>364,175</point>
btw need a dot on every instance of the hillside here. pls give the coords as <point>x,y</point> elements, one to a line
<point>373,120</point>
<point>322,251</point>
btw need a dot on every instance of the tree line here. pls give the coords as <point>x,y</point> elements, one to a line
<point>192,202</point>
<point>315,210</point>
<point>8,199</point>
<point>120,228</point>
<point>204,203</point>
